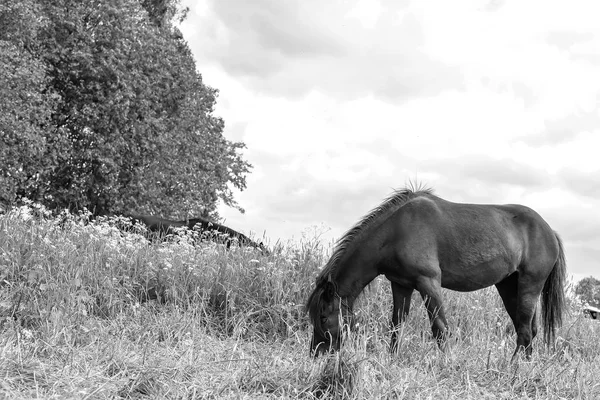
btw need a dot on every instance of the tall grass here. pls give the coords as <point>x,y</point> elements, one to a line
<point>91,311</point>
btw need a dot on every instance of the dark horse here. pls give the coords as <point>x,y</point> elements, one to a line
<point>420,241</point>
<point>212,230</point>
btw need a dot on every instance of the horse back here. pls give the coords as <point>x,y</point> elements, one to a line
<point>470,245</point>
<point>158,224</point>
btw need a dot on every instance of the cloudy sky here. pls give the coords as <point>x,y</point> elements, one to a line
<point>341,101</point>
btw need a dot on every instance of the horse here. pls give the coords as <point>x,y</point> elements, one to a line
<point>211,230</point>
<point>161,227</point>
<point>215,229</point>
<point>422,242</point>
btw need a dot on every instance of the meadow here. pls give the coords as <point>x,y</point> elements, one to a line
<point>88,311</point>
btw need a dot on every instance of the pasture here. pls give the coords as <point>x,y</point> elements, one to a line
<point>88,311</point>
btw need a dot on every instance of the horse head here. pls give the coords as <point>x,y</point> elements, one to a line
<point>328,313</point>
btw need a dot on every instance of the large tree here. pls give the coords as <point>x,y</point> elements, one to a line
<point>26,101</point>
<point>132,127</point>
<point>588,290</point>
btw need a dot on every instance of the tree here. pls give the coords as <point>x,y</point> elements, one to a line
<point>588,290</point>
<point>164,12</point>
<point>26,103</point>
<point>131,125</point>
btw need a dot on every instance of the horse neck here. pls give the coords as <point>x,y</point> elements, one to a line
<point>355,272</point>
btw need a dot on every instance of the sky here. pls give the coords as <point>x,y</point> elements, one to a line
<point>340,102</point>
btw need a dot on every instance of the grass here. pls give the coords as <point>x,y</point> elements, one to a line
<point>88,311</point>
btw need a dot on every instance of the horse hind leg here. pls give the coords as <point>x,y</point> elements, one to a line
<point>508,288</point>
<point>526,325</point>
<point>431,292</point>
<point>402,296</point>
<point>509,292</point>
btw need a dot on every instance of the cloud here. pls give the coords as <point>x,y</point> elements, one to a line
<point>511,46</point>
<point>293,47</point>
<point>340,102</point>
<point>236,131</point>
<point>577,151</point>
<point>583,183</point>
<point>566,40</point>
<point>256,39</point>
<point>569,224</point>
<point>565,129</point>
<point>491,171</point>
<point>351,190</point>
<point>581,45</point>
<point>291,29</point>
<point>494,5</point>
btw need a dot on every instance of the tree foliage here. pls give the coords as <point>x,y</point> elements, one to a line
<point>26,102</point>
<point>123,121</point>
<point>588,290</point>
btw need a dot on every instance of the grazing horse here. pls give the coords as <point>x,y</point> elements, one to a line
<point>205,225</point>
<point>422,242</point>
<point>212,230</point>
<point>160,226</point>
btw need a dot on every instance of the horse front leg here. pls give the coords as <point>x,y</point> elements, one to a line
<point>431,292</point>
<point>402,296</point>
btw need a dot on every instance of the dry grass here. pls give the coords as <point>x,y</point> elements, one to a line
<point>87,311</point>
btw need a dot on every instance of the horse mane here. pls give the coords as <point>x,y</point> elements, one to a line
<point>397,199</point>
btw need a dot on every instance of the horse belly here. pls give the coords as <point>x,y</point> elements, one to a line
<point>474,277</point>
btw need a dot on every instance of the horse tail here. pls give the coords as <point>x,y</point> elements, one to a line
<point>553,295</point>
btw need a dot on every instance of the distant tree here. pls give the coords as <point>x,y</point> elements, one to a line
<point>124,121</point>
<point>588,290</point>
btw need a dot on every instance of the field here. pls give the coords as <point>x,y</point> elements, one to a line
<point>88,311</point>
